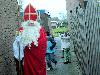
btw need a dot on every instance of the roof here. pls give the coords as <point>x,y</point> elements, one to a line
<point>54,22</point>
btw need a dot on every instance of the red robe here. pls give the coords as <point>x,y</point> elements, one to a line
<point>34,58</point>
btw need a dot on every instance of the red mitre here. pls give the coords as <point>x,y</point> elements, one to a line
<point>30,13</point>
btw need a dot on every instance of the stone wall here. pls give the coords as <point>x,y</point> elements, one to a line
<point>84,26</point>
<point>8,17</point>
<point>71,4</point>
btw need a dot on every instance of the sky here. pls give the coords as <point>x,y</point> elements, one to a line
<point>56,8</point>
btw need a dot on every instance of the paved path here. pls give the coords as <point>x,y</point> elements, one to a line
<point>60,68</point>
<point>64,69</point>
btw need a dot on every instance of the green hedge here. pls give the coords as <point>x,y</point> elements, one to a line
<point>56,31</point>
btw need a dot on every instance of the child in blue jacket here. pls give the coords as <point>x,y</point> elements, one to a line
<point>50,51</point>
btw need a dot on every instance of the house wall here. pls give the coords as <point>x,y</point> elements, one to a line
<point>8,17</point>
<point>84,30</point>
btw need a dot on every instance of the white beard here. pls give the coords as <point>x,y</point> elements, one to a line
<point>30,33</point>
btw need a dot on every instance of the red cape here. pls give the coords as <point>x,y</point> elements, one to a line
<point>34,58</point>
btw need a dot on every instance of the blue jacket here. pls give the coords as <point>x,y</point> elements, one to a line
<point>49,44</point>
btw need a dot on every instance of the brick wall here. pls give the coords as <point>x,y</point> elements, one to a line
<point>71,4</point>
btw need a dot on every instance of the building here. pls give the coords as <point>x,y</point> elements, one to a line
<point>85,42</point>
<point>54,24</point>
<point>44,19</point>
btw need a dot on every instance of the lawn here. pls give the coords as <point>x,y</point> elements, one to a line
<point>56,31</point>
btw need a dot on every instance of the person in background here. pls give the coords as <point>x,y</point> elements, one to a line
<point>50,51</point>
<point>65,46</point>
<point>67,54</point>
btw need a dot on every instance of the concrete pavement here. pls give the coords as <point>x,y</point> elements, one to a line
<point>61,68</point>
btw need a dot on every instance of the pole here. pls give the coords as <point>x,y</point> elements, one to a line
<point>19,66</point>
<point>19,59</point>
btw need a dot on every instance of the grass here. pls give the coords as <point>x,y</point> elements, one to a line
<point>56,31</point>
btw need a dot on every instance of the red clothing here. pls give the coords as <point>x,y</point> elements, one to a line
<point>34,58</point>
